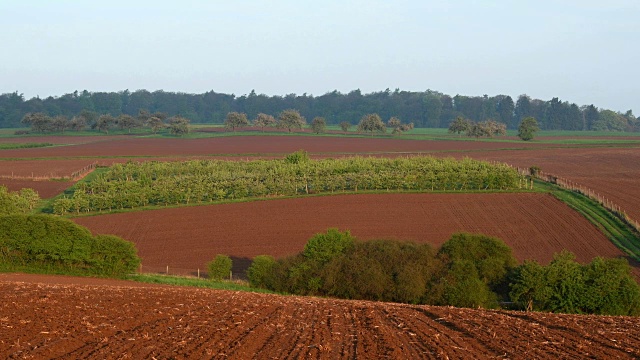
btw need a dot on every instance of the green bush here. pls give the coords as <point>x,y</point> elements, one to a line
<point>111,255</point>
<point>220,267</point>
<point>323,247</point>
<point>604,286</point>
<point>49,243</point>
<point>260,273</point>
<point>490,256</point>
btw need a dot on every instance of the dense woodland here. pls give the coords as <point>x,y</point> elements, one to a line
<point>424,109</point>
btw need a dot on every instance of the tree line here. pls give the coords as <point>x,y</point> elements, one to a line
<point>137,184</point>
<point>469,270</point>
<point>423,109</point>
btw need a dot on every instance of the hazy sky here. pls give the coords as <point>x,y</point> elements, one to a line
<point>582,51</point>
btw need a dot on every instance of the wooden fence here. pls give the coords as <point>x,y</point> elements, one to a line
<point>590,193</point>
<point>75,176</point>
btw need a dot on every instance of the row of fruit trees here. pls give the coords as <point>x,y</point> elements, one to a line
<point>137,184</point>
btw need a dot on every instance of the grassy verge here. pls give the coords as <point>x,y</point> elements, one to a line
<point>614,228</point>
<point>194,282</point>
<point>7,146</point>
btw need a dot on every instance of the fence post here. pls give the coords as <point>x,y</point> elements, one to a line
<point>167,269</point>
<point>198,273</point>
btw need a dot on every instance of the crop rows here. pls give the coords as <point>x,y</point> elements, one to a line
<point>136,184</point>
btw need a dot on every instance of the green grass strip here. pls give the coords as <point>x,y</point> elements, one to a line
<point>194,282</point>
<point>615,229</point>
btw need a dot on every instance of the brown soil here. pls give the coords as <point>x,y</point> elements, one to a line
<point>611,172</point>
<point>39,169</point>
<point>46,189</point>
<point>252,145</point>
<point>535,226</point>
<point>45,318</point>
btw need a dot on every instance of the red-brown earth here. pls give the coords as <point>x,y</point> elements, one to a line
<point>44,317</point>
<point>535,226</point>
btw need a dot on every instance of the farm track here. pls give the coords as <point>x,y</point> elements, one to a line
<point>51,317</point>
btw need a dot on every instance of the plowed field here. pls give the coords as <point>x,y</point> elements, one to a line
<point>263,145</point>
<point>41,318</point>
<point>534,225</point>
<point>612,172</point>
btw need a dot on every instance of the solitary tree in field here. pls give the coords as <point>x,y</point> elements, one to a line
<point>345,126</point>
<point>528,128</point>
<point>291,119</point>
<point>263,120</point>
<point>318,125</point>
<point>459,125</point>
<point>236,120</point>
<point>178,125</point>
<point>372,123</point>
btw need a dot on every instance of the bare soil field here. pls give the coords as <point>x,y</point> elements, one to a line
<point>39,169</point>
<point>535,225</point>
<point>41,317</point>
<point>46,189</point>
<point>263,145</point>
<point>62,139</point>
<point>612,172</point>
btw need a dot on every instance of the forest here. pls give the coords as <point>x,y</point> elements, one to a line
<point>429,108</point>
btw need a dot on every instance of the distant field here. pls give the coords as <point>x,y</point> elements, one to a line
<point>534,225</point>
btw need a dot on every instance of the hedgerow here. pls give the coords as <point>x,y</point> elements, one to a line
<point>48,243</point>
<point>469,270</point>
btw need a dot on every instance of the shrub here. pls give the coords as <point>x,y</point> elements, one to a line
<point>44,242</point>
<point>323,247</point>
<point>260,273</point>
<point>111,255</point>
<point>220,267</point>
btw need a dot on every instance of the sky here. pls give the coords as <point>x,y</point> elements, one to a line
<point>581,51</point>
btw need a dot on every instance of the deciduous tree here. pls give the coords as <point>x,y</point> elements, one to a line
<point>318,125</point>
<point>263,120</point>
<point>235,120</point>
<point>178,125</point>
<point>527,128</point>
<point>291,119</point>
<point>459,125</point>
<point>372,123</point>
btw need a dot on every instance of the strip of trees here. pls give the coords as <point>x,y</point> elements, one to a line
<point>425,109</point>
<point>469,270</point>
<point>17,202</point>
<point>42,123</point>
<point>137,184</point>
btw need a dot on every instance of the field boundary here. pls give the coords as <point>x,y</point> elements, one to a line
<point>75,176</point>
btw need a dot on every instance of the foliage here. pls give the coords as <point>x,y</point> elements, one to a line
<point>398,127</point>
<point>491,258</point>
<point>236,120</point>
<point>263,120</point>
<point>220,267</point>
<point>127,122</point>
<point>321,248</point>
<point>260,272</point>
<point>110,255</point>
<point>161,183</point>
<point>178,125</point>
<point>604,286</point>
<point>371,123</point>
<point>427,108</point>
<point>527,128</point>
<point>345,126</point>
<point>17,202</point>
<point>155,124</point>
<point>318,125</point>
<point>104,123</point>
<point>39,242</point>
<point>291,119</point>
<point>39,122</point>
<point>460,125</point>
